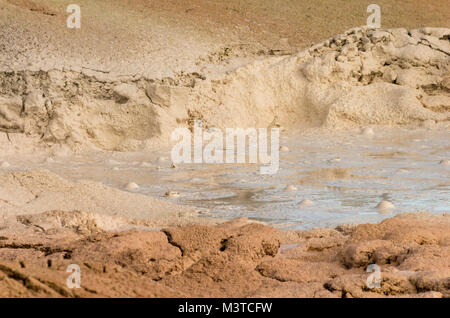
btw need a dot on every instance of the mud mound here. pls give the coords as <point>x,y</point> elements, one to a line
<point>234,259</point>
<point>362,77</point>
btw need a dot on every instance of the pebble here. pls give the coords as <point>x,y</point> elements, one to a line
<point>172,194</point>
<point>385,206</point>
<point>284,149</point>
<point>367,131</point>
<point>337,159</point>
<point>445,162</point>
<point>291,188</point>
<point>131,186</point>
<point>306,203</point>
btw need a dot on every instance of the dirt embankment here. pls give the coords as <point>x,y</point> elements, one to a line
<point>33,192</point>
<point>361,77</point>
<point>234,259</point>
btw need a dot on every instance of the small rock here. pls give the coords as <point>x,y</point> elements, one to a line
<point>115,169</point>
<point>173,166</point>
<point>337,159</point>
<point>58,130</point>
<point>341,58</point>
<point>445,162</point>
<point>34,102</point>
<point>367,131</point>
<point>436,102</point>
<point>172,194</point>
<point>131,186</point>
<point>168,96</point>
<point>379,35</point>
<point>390,76</point>
<point>385,206</point>
<point>284,149</point>
<point>126,92</point>
<point>291,188</point>
<point>274,124</point>
<point>306,203</point>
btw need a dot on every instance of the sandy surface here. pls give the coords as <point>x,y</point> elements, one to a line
<point>136,70</point>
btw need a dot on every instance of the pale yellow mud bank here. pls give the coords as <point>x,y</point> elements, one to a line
<point>234,259</point>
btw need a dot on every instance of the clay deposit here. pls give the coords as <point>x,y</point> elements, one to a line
<point>362,77</point>
<point>136,70</point>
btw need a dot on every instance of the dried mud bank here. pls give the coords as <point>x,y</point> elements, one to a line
<point>33,192</point>
<point>361,77</point>
<point>233,259</point>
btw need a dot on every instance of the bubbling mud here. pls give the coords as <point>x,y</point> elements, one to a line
<point>397,165</point>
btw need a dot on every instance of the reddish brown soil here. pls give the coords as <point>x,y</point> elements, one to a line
<point>234,259</point>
